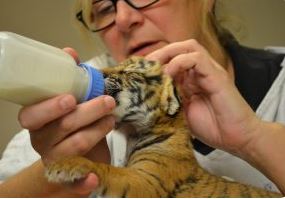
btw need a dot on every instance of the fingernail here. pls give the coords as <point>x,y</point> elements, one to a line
<point>110,102</point>
<point>66,102</point>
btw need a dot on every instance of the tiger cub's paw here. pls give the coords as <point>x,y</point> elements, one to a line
<point>68,170</point>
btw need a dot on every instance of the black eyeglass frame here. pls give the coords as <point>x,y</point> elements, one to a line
<point>79,15</point>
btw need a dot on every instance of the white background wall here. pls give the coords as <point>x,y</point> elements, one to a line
<point>49,21</point>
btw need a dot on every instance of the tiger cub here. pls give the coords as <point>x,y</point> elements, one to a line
<point>160,162</point>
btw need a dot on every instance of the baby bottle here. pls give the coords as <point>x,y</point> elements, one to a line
<point>31,71</point>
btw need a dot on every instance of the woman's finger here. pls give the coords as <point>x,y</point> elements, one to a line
<point>85,114</point>
<point>180,64</point>
<point>73,53</point>
<point>167,53</point>
<point>201,63</point>
<point>205,72</point>
<point>36,116</point>
<point>82,141</point>
<point>86,185</point>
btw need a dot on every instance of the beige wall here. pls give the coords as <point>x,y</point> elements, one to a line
<point>262,21</point>
<point>49,21</point>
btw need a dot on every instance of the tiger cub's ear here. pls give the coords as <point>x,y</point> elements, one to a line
<point>141,65</point>
<point>170,102</point>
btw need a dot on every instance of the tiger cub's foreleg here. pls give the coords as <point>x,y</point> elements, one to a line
<point>113,181</point>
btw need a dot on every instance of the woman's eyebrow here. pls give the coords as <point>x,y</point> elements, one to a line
<point>96,1</point>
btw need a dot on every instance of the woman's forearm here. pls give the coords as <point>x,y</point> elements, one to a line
<point>267,153</point>
<point>32,183</point>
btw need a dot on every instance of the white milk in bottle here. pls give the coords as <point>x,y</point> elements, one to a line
<point>31,71</point>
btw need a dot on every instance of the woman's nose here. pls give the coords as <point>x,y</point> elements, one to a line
<point>127,17</point>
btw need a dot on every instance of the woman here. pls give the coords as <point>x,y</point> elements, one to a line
<point>200,57</point>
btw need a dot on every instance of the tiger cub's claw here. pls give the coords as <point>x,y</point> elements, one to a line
<point>68,170</point>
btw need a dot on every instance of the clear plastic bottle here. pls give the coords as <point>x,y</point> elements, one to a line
<point>31,71</point>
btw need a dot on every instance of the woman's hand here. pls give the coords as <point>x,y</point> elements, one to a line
<point>59,127</point>
<point>215,111</point>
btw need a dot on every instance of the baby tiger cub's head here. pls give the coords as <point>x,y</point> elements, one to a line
<point>142,92</point>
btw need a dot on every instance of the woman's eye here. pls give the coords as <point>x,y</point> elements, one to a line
<point>103,8</point>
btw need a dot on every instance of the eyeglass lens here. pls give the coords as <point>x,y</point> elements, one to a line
<point>104,12</point>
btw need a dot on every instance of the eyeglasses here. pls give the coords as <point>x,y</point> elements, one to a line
<point>103,13</point>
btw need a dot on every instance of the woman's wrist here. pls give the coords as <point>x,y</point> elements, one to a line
<point>261,143</point>
<point>266,152</point>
